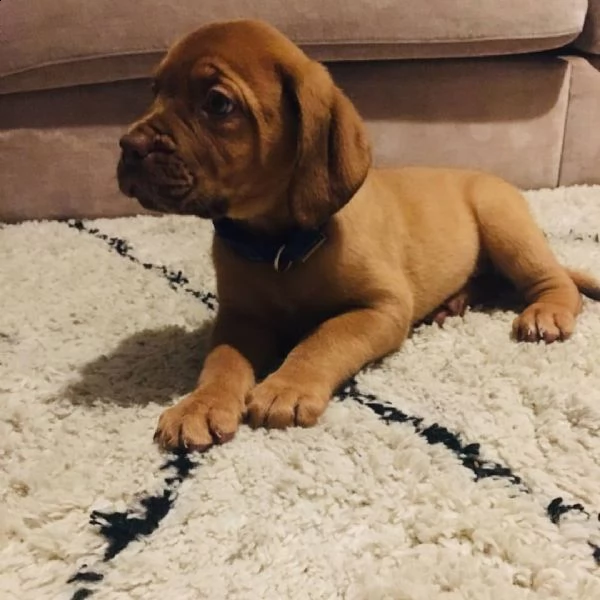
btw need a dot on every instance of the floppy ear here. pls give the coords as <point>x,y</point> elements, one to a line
<point>333,154</point>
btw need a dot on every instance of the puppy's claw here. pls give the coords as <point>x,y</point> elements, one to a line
<point>223,437</point>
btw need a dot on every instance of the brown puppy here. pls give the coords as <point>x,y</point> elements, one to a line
<point>317,255</point>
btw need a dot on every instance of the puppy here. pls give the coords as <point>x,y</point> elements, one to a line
<point>319,258</point>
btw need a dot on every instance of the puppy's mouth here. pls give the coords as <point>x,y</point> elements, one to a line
<point>164,183</point>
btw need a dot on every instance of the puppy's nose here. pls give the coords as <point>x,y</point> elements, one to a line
<point>136,146</point>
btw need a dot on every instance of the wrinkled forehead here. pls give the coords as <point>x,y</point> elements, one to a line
<point>250,50</point>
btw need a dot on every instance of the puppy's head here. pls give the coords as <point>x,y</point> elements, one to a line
<point>243,124</point>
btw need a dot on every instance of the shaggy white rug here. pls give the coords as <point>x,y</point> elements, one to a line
<point>466,466</point>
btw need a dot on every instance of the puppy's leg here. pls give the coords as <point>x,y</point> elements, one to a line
<point>239,349</point>
<point>299,391</point>
<point>518,248</point>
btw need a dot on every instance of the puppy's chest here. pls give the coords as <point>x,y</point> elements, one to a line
<point>293,293</point>
<point>300,299</point>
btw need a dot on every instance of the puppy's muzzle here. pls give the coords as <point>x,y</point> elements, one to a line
<point>151,171</point>
<point>134,168</point>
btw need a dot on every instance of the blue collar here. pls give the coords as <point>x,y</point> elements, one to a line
<point>281,251</point>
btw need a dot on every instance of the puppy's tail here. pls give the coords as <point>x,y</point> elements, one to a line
<point>586,284</point>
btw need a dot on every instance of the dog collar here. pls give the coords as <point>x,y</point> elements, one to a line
<point>281,251</point>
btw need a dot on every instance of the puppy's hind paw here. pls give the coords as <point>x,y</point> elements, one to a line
<point>544,322</point>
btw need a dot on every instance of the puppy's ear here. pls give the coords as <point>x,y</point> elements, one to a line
<point>333,154</point>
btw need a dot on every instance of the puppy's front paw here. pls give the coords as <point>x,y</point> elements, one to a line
<point>542,321</point>
<point>278,403</point>
<point>198,421</point>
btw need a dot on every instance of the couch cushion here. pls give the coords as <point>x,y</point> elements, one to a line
<point>504,115</point>
<point>589,40</point>
<point>53,44</point>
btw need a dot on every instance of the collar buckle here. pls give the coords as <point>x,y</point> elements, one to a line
<point>277,262</point>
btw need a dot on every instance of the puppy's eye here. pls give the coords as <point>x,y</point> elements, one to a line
<point>217,103</point>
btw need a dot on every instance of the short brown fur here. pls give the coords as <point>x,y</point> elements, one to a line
<point>293,152</point>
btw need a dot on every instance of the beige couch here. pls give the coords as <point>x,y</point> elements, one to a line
<point>511,86</point>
